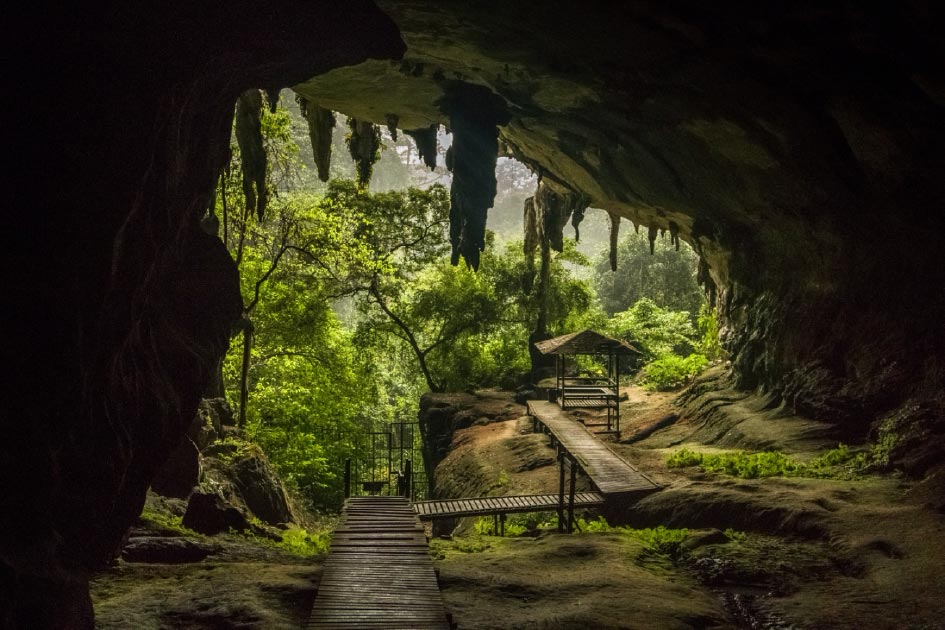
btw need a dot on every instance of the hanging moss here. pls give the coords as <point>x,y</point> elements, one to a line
<point>614,236</point>
<point>252,153</point>
<point>321,122</point>
<point>364,145</point>
<point>426,143</point>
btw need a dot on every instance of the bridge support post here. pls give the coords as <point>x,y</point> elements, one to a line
<point>571,496</point>
<point>561,492</point>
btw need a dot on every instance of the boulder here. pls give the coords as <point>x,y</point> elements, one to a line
<point>166,550</point>
<point>261,490</point>
<point>207,513</point>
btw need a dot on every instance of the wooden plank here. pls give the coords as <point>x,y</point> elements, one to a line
<point>608,471</point>
<point>378,573</point>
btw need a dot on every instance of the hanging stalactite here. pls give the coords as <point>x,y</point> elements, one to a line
<point>252,153</point>
<point>531,244</point>
<point>475,148</point>
<point>321,124</point>
<point>651,234</point>
<point>364,145</point>
<point>554,210</point>
<point>674,234</point>
<point>392,120</point>
<point>614,236</point>
<point>425,139</point>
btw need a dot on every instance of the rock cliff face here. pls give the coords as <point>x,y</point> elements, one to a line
<point>800,149</point>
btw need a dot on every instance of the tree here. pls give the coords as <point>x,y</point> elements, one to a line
<point>667,277</point>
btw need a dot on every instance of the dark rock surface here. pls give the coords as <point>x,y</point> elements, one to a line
<point>166,550</point>
<point>180,473</point>
<point>261,490</point>
<point>124,306</point>
<point>208,513</point>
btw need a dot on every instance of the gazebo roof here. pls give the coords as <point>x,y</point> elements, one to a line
<point>585,342</point>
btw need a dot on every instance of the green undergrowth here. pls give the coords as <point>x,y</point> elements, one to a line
<point>167,524</point>
<point>295,540</point>
<point>838,463</point>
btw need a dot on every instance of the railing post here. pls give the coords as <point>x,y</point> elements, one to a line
<point>408,481</point>
<point>561,493</point>
<point>348,478</point>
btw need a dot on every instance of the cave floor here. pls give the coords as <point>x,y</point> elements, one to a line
<point>800,553</point>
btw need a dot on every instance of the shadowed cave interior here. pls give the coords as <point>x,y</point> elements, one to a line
<point>799,149</point>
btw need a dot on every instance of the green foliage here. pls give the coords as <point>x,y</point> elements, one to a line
<point>667,276</point>
<point>672,371</point>
<point>660,540</point>
<point>735,536</point>
<point>654,330</point>
<point>840,462</point>
<point>168,524</point>
<point>708,325</point>
<point>303,543</point>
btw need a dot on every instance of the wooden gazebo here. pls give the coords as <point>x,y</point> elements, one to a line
<point>594,392</point>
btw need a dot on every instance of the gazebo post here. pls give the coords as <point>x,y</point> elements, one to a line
<point>617,389</point>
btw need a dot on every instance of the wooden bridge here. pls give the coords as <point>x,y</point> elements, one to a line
<point>498,507</point>
<point>378,573</point>
<point>610,473</point>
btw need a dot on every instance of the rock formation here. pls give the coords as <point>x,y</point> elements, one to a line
<point>799,148</point>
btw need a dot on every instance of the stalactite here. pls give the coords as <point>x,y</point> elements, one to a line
<point>321,123</point>
<point>577,216</point>
<point>252,153</point>
<point>554,210</point>
<point>614,236</point>
<point>704,278</point>
<point>651,234</point>
<point>674,234</point>
<point>636,226</point>
<point>531,243</point>
<point>475,148</point>
<point>426,143</point>
<point>364,145</point>
<point>392,120</point>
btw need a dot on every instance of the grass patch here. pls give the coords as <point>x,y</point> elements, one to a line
<point>295,540</point>
<point>440,549</point>
<point>837,463</point>
<point>167,524</point>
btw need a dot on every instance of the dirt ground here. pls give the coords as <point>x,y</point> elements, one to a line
<point>808,553</point>
<point>798,553</point>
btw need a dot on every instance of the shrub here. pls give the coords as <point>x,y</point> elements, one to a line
<point>671,371</point>
<point>840,462</point>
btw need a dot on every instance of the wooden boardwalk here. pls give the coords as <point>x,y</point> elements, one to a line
<point>610,473</point>
<point>482,506</point>
<point>378,574</point>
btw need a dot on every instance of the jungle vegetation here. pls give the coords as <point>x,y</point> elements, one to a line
<point>353,310</point>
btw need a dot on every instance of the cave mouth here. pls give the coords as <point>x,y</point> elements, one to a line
<point>799,151</point>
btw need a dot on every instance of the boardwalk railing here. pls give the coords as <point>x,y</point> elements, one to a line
<point>498,507</point>
<point>378,574</point>
<point>610,473</point>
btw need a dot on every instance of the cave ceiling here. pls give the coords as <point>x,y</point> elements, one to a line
<point>733,123</point>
